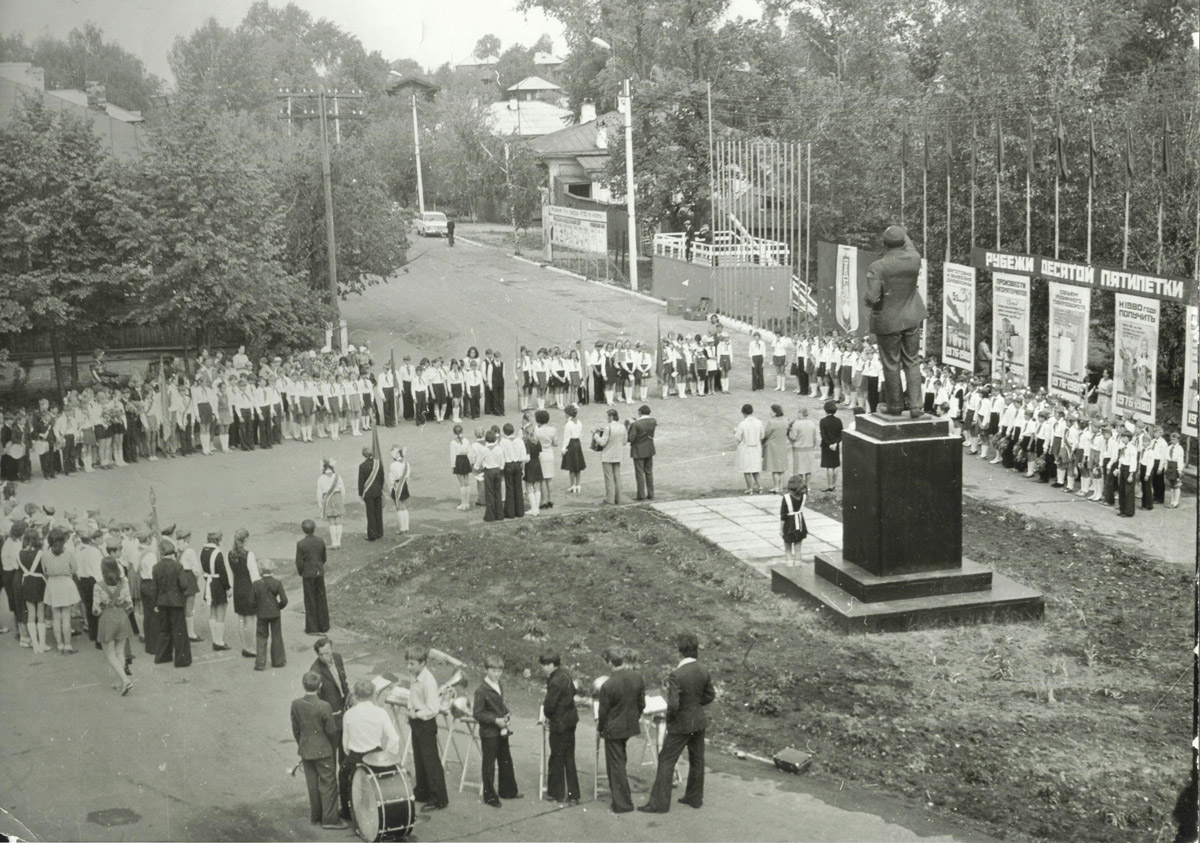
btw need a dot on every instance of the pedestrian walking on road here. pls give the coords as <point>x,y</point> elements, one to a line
<point>450,232</point>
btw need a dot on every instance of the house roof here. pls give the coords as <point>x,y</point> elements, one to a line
<point>397,82</point>
<point>546,59</point>
<point>490,61</point>
<point>535,83</point>
<point>575,140</point>
<point>527,119</point>
<point>79,98</point>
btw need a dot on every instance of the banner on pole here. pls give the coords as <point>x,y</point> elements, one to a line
<point>1010,329</point>
<point>923,289</point>
<point>1135,349</point>
<point>958,316</point>
<point>575,228</point>
<point>1070,315</point>
<point>1191,372</point>
<point>846,290</point>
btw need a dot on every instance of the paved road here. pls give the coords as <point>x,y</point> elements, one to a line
<point>202,754</point>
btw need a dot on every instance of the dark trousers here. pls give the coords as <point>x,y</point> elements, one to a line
<point>899,352</point>
<point>277,428</point>
<point>756,372</point>
<point>389,406</point>
<point>660,794</point>
<point>643,470</point>
<point>1147,488</point>
<point>430,778</point>
<point>246,430</point>
<point>1127,489</point>
<point>421,408</point>
<point>316,607</point>
<point>496,753</point>
<point>87,586</point>
<point>493,494</point>
<point>1159,482</point>
<point>265,430</point>
<point>374,517</point>
<point>562,780</point>
<point>68,454</point>
<point>498,399</point>
<point>173,642</point>
<point>1110,485</point>
<point>872,393</point>
<point>151,624</point>
<point>322,790</point>
<point>272,629</point>
<point>472,402</point>
<point>407,406</point>
<point>46,462</point>
<point>347,765</point>
<point>618,779</point>
<point>489,402</point>
<point>514,501</point>
<point>598,387</point>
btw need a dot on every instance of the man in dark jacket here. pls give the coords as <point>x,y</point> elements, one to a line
<point>641,449</point>
<point>315,732</point>
<point>558,709</point>
<point>310,565</point>
<point>370,489</point>
<point>169,598</point>
<point>897,312</point>
<point>334,690</point>
<point>269,600</point>
<point>622,700</point>
<point>689,689</point>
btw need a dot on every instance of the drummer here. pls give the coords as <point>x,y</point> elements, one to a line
<point>366,728</point>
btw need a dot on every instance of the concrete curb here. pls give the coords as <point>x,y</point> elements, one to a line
<point>475,243</point>
<point>567,272</point>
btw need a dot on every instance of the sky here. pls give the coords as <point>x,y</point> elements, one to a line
<point>430,31</point>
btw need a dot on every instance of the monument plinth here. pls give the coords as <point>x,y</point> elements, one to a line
<point>901,563</point>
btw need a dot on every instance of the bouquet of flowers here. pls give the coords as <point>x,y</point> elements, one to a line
<point>114,413</point>
<point>1040,465</point>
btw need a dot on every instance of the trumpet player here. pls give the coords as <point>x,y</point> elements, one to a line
<point>558,710</point>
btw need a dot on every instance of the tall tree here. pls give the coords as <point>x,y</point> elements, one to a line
<point>488,46</point>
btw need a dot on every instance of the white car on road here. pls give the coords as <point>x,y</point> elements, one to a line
<point>431,224</point>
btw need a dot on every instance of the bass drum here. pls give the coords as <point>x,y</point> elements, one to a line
<point>382,801</point>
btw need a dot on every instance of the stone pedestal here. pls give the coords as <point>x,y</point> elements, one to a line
<point>901,564</point>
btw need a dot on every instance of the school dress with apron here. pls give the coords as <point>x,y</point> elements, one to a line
<point>216,576</point>
<point>33,577</point>
<point>791,512</point>
<point>243,587</point>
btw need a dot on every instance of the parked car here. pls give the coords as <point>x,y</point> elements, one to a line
<point>431,224</point>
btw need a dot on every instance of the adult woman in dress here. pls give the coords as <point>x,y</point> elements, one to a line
<point>331,500</point>
<point>547,438</point>
<point>804,437</point>
<point>398,475</point>
<point>572,453</point>
<point>33,588</point>
<point>112,603</point>
<point>58,563</point>
<point>777,450</point>
<point>245,571</point>
<point>749,436</point>
<point>831,444</point>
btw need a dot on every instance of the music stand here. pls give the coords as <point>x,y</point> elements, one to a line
<point>543,775</point>
<point>463,757</point>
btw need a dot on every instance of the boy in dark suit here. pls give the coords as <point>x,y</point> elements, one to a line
<point>169,602</point>
<point>492,714</point>
<point>558,708</point>
<point>689,689</point>
<point>370,489</point>
<point>310,565</point>
<point>315,732</point>
<point>269,600</point>
<point>622,700</point>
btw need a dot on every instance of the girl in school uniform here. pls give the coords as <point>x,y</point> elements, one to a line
<point>245,571</point>
<point>436,377</point>
<point>366,389</point>
<point>558,377</point>
<point>541,374</point>
<point>572,452</point>
<point>1173,474</point>
<point>576,390</point>
<point>712,367</point>
<point>791,516</point>
<point>331,500</point>
<point>454,383</point>
<point>779,356</point>
<point>533,467</point>
<point>628,360</point>
<point>223,419</point>
<point>352,395</point>
<point>668,371</point>
<point>612,374</point>
<point>645,370</point>
<point>203,393</point>
<point>460,465</point>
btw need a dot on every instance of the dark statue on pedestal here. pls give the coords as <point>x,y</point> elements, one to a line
<point>897,312</point>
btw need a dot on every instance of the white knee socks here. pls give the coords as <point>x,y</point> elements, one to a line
<point>190,622</point>
<point>535,501</point>
<point>403,513</point>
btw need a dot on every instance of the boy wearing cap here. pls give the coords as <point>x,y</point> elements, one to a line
<point>269,600</point>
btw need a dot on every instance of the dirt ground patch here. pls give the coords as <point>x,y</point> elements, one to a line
<point>1075,728</point>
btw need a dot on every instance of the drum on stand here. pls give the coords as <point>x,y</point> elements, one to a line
<point>382,801</point>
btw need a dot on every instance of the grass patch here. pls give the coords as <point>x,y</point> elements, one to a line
<point>1068,729</point>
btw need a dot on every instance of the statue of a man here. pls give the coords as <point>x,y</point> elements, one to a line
<point>897,312</point>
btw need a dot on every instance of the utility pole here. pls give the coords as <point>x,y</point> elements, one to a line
<point>626,104</point>
<point>321,113</point>
<point>417,147</point>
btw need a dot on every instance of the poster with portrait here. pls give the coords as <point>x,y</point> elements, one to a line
<point>1010,329</point>
<point>1070,314</point>
<point>958,316</point>
<point>1191,372</point>
<point>846,298</point>
<point>1135,353</point>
